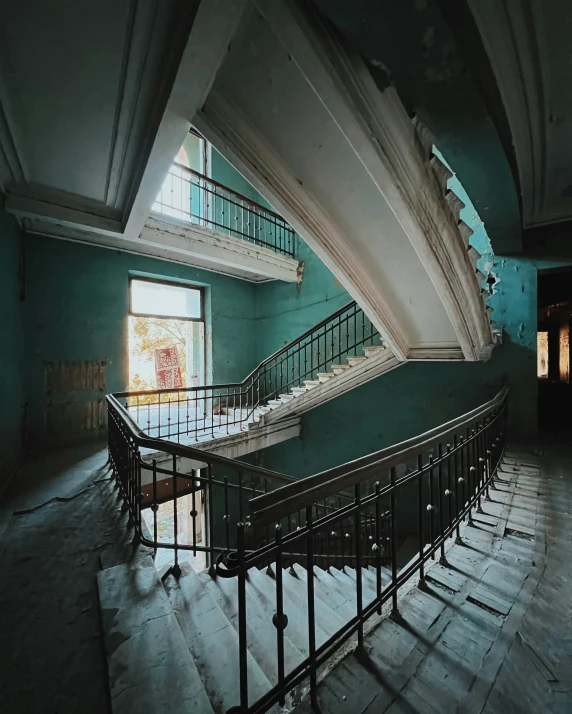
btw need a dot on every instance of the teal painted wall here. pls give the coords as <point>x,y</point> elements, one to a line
<point>287,310</point>
<point>11,347</point>
<point>225,173</point>
<point>77,307</point>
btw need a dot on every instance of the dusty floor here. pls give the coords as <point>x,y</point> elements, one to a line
<point>61,515</point>
<point>492,630</point>
<point>491,633</point>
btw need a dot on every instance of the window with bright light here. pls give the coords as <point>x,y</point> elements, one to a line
<point>165,300</point>
<point>542,354</point>
<point>166,337</point>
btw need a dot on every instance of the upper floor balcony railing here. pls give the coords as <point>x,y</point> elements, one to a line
<point>190,196</point>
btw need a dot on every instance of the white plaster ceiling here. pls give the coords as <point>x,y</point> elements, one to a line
<point>83,87</point>
<point>529,45</point>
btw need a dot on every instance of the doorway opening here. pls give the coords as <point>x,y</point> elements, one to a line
<point>553,349</point>
<point>166,335</point>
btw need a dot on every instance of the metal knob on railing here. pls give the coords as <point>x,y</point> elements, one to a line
<point>430,507</point>
<point>448,492</point>
<point>460,480</point>
<point>472,468</point>
<point>280,623</point>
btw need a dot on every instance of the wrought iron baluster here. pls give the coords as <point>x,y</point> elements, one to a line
<point>176,568</point>
<point>357,549</point>
<point>378,547</point>
<point>311,612</point>
<point>420,520</point>
<point>440,506</point>
<point>194,512</point>
<point>393,508</point>
<point>154,506</point>
<point>280,619</point>
<point>242,637</point>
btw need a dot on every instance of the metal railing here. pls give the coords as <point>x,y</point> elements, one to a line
<point>194,414</point>
<point>441,478</point>
<point>208,496</point>
<point>190,196</point>
<point>351,515</point>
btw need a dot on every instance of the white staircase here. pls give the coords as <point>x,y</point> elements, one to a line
<point>174,646</point>
<point>339,379</point>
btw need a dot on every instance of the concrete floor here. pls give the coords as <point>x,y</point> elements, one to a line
<point>60,516</point>
<point>492,633</point>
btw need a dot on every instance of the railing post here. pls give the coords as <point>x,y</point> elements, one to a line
<point>357,520</point>
<point>311,611</point>
<point>176,568</point>
<point>420,521</point>
<point>242,641</point>
<point>395,615</point>
<point>431,508</point>
<point>378,546</point>
<point>280,619</point>
<point>210,504</point>
<point>440,490</point>
<point>155,506</point>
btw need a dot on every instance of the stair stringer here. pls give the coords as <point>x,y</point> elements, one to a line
<point>362,373</point>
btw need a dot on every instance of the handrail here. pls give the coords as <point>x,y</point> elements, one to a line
<point>242,197</point>
<point>148,442</point>
<point>273,506</point>
<point>247,380</point>
<point>192,196</point>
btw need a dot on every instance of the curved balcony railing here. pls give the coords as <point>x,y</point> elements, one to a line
<point>190,196</point>
<point>350,515</point>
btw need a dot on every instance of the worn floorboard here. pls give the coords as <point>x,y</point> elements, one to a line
<point>491,631</point>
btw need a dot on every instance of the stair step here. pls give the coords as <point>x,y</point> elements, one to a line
<point>369,582</point>
<point>326,618</point>
<point>260,630</point>
<point>341,601</point>
<point>339,368</point>
<point>273,403</point>
<point>297,391</point>
<point>286,397</point>
<point>311,383</point>
<point>324,376</point>
<point>150,666</point>
<point>355,361</point>
<point>342,582</point>
<point>213,642</point>
<point>263,587</point>
<point>372,351</point>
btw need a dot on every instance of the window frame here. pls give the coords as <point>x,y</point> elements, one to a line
<point>170,283</point>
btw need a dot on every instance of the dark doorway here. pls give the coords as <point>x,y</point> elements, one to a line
<point>553,344</point>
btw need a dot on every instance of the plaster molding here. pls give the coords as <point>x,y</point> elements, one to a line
<point>241,143</point>
<point>511,36</point>
<point>12,166</point>
<point>167,56</point>
<point>178,247</point>
<point>221,249</point>
<point>381,134</point>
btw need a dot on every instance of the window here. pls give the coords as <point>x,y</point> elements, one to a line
<point>161,299</point>
<point>166,336</point>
